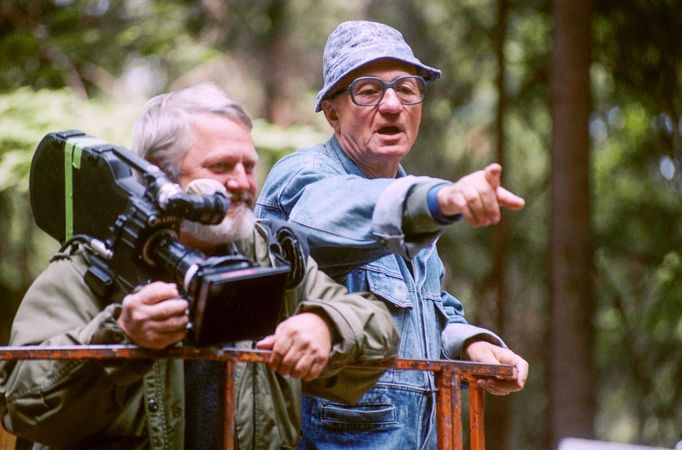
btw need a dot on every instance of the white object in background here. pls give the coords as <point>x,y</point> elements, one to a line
<point>585,444</point>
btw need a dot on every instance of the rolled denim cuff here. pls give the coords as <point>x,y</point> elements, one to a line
<point>387,218</point>
<point>434,208</point>
<point>455,335</point>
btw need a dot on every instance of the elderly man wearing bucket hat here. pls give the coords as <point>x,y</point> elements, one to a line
<point>373,227</point>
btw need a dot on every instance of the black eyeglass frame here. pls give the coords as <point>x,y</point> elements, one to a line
<point>385,85</point>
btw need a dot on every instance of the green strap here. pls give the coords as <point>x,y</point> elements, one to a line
<point>73,150</point>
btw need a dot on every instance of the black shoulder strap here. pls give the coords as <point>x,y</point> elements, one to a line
<point>290,246</point>
<point>98,275</point>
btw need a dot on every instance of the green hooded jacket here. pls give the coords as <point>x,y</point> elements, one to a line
<point>140,404</point>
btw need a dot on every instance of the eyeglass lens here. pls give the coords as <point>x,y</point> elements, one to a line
<point>369,91</point>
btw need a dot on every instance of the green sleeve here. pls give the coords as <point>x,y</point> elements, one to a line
<point>38,397</point>
<point>364,331</point>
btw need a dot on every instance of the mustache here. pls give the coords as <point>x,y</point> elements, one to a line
<point>244,197</point>
<point>209,186</point>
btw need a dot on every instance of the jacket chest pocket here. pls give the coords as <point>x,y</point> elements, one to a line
<point>419,317</point>
<point>388,285</point>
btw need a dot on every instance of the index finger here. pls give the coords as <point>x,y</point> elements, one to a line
<point>508,199</point>
<point>280,349</point>
<point>520,372</point>
<point>521,367</point>
<point>156,292</point>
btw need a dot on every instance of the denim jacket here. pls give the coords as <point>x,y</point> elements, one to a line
<point>376,235</point>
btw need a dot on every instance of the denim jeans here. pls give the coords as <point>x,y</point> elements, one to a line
<point>384,418</point>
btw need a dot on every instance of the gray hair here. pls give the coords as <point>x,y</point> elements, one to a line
<point>162,134</point>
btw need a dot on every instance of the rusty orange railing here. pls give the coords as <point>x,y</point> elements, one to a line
<point>449,376</point>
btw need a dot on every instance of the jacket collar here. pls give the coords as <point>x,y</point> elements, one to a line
<point>348,165</point>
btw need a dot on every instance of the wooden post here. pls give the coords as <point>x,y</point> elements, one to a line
<point>476,419</point>
<point>230,406</point>
<point>457,409</point>
<point>444,422</point>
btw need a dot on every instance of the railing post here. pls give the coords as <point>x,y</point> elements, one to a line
<point>448,409</point>
<point>457,410</point>
<point>476,416</point>
<point>444,423</point>
<point>229,405</point>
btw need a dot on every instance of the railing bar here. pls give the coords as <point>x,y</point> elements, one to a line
<point>228,353</point>
<point>476,416</point>
<point>448,374</point>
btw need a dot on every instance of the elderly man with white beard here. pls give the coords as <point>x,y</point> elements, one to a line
<point>201,139</point>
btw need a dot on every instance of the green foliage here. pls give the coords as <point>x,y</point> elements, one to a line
<point>637,221</point>
<point>27,115</point>
<point>273,141</point>
<point>638,232</point>
<point>638,47</point>
<point>56,54</point>
<point>86,44</point>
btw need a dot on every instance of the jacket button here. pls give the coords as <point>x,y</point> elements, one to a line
<point>153,405</point>
<point>177,412</point>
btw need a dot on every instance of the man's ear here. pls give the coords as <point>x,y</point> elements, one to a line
<point>330,113</point>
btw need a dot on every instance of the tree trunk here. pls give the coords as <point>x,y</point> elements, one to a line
<point>500,408</point>
<point>571,366</point>
<point>277,76</point>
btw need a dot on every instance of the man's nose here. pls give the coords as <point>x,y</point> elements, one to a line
<point>238,179</point>
<point>390,103</point>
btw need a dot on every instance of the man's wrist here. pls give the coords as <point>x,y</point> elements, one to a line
<point>434,207</point>
<point>481,337</point>
<point>334,335</point>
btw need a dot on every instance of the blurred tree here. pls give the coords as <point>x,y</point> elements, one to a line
<point>571,366</point>
<point>25,117</point>
<point>87,44</point>
<point>636,128</point>
<point>501,416</point>
<point>266,23</point>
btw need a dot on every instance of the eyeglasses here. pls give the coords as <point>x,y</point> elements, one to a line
<point>369,91</point>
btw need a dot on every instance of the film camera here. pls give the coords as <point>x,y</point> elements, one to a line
<point>127,212</point>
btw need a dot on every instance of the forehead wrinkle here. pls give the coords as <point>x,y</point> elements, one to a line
<point>226,156</point>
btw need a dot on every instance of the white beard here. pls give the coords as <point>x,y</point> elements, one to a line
<point>238,224</point>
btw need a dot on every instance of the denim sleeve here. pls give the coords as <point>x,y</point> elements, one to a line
<point>457,330</point>
<point>422,217</point>
<point>455,334</point>
<point>349,220</point>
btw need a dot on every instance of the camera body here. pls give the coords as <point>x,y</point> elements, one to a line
<point>127,212</point>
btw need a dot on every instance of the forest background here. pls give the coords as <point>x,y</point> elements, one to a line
<point>581,101</point>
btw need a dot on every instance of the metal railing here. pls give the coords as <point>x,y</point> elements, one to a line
<point>449,376</point>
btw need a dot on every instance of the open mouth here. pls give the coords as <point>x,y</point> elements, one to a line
<point>389,130</point>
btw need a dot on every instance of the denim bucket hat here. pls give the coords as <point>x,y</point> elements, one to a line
<point>355,43</point>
